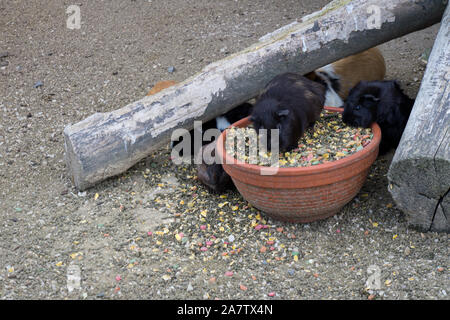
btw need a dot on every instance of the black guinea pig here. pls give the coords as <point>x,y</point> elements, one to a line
<point>213,176</point>
<point>221,123</point>
<point>382,102</point>
<point>290,103</point>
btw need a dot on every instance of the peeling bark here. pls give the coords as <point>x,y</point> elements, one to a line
<point>419,175</point>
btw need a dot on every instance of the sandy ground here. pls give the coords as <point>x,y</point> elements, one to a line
<point>155,232</point>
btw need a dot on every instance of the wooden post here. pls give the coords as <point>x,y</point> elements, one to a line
<point>106,144</point>
<point>419,175</point>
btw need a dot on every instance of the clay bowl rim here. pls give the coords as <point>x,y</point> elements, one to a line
<point>296,171</point>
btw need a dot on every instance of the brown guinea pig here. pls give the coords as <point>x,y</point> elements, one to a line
<point>342,75</point>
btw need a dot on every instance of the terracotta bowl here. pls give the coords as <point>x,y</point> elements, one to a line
<point>302,194</point>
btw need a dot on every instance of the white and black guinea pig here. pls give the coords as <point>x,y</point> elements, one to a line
<point>213,176</point>
<point>221,122</point>
<point>340,76</point>
<point>382,102</point>
<point>291,103</point>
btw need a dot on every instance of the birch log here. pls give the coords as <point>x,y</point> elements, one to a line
<point>419,175</point>
<point>106,144</point>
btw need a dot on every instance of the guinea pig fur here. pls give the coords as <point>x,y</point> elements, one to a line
<point>221,122</point>
<point>213,176</point>
<point>342,75</point>
<point>382,102</point>
<point>291,103</point>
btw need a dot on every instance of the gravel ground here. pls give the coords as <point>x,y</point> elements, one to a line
<point>155,232</point>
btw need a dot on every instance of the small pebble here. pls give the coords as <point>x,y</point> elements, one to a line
<point>38,84</point>
<point>407,251</point>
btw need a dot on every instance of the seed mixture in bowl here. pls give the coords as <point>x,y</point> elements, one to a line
<point>330,140</point>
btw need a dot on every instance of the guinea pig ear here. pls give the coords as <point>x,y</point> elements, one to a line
<point>283,113</point>
<point>371,97</point>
